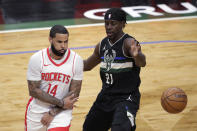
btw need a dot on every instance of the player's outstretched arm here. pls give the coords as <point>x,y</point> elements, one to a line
<point>36,92</point>
<point>92,60</point>
<point>134,49</point>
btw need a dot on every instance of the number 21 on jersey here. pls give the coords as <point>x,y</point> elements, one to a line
<point>109,78</point>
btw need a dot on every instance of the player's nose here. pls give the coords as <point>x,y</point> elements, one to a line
<point>63,45</point>
<point>109,27</point>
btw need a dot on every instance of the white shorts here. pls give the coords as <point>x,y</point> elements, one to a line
<point>60,120</point>
<point>34,126</point>
<point>32,120</point>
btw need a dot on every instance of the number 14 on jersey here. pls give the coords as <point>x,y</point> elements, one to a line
<point>53,90</point>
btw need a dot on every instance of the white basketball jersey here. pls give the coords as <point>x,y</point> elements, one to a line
<point>55,75</point>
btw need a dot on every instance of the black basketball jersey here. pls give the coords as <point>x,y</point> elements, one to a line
<point>119,74</point>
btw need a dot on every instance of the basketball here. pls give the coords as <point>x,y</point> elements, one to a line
<point>174,100</point>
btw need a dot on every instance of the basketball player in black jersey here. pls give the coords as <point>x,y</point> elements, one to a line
<point>121,57</point>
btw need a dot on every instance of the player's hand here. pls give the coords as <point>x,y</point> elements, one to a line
<point>135,48</point>
<point>46,119</point>
<point>69,101</point>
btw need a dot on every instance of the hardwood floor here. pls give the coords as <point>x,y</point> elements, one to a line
<point>169,64</point>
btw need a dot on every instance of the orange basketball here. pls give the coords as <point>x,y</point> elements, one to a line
<point>174,100</point>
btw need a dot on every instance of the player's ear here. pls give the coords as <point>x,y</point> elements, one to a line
<point>50,39</point>
<point>123,24</point>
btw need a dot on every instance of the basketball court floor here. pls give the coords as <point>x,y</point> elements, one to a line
<point>170,47</point>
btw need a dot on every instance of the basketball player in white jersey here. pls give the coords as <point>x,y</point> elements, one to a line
<point>54,80</point>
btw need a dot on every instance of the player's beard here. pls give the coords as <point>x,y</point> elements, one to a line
<point>56,52</point>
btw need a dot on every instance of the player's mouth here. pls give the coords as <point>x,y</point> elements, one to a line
<point>109,34</point>
<point>62,51</point>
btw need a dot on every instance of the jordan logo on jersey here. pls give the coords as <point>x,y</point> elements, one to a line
<point>109,56</point>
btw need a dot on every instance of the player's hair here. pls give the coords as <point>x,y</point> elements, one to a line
<point>58,29</point>
<point>115,14</point>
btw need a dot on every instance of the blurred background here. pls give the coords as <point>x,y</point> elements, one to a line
<point>170,48</point>
<point>17,14</point>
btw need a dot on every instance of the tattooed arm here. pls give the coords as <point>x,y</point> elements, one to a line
<point>34,81</point>
<point>76,87</point>
<point>72,97</point>
<point>36,92</point>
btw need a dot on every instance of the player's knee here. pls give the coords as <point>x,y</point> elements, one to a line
<point>87,126</point>
<point>126,124</point>
<point>131,120</point>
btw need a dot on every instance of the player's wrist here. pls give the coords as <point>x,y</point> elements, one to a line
<point>51,113</point>
<point>61,104</point>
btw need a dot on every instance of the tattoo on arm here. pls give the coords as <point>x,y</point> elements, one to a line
<point>36,92</point>
<point>75,87</point>
<point>55,110</point>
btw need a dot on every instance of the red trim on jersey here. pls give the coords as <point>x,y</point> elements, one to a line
<point>60,128</point>
<point>42,60</point>
<point>26,112</point>
<point>60,63</point>
<point>73,64</point>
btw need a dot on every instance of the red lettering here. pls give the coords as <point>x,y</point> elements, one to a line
<point>55,76</point>
<point>43,76</point>
<point>68,79</point>
<point>50,76</point>
<point>53,91</point>
<point>59,76</point>
<point>64,77</point>
<point>47,77</point>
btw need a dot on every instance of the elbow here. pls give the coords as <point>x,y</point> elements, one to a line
<point>143,64</point>
<point>140,61</point>
<point>87,69</point>
<point>33,93</point>
<point>87,66</point>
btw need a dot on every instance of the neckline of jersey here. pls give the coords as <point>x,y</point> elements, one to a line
<point>68,55</point>
<point>116,41</point>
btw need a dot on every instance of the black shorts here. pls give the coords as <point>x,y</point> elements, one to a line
<point>122,118</point>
